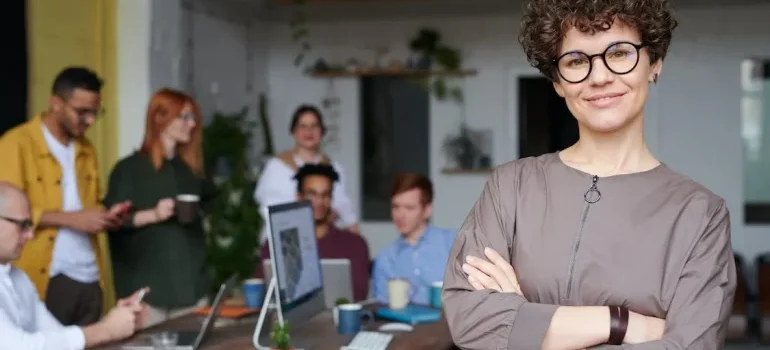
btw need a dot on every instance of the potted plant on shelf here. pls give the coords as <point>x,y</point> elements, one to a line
<point>280,336</point>
<point>461,149</point>
<point>431,50</point>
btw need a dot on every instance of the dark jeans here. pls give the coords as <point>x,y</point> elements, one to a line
<point>74,303</point>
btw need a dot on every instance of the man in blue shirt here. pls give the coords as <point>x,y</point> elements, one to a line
<point>420,254</point>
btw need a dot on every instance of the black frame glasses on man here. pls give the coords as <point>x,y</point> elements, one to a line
<point>84,112</point>
<point>619,57</point>
<point>24,224</point>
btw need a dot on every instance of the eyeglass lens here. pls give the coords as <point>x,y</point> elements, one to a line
<point>619,58</point>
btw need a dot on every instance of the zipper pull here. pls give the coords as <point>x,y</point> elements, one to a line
<point>593,195</point>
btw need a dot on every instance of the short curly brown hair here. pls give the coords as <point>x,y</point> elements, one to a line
<point>546,22</point>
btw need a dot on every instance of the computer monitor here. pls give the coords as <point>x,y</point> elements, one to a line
<point>296,262</point>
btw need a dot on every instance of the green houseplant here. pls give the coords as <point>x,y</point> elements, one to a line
<point>233,225</point>
<point>299,31</point>
<point>427,43</point>
<point>280,336</point>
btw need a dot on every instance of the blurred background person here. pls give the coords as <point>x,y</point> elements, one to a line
<point>277,183</point>
<point>154,248</point>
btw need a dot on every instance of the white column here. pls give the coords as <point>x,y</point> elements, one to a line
<point>134,20</point>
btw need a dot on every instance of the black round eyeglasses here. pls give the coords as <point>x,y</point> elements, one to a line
<point>620,58</point>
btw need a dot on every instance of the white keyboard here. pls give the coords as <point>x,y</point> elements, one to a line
<point>370,341</point>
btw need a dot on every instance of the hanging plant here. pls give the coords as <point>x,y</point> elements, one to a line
<point>299,31</point>
<point>427,43</point>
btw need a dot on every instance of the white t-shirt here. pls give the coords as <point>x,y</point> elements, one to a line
<point>73,255</point>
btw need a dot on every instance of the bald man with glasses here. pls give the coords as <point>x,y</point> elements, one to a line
<point>25,322</point>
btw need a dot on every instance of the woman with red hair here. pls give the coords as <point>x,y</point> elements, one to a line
<point>154,248</point>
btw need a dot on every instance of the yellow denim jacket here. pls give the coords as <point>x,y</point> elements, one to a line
<point>28,164</point>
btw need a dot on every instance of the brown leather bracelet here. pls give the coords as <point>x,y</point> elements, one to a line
<point>618,325</point>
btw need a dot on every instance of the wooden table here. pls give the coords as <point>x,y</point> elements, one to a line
<point>320,334</point>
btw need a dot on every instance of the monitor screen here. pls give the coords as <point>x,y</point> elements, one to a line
<point>294,250</point>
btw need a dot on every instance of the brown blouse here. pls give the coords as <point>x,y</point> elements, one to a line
<point>655,242</point>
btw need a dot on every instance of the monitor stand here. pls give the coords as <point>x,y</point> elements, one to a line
<point>272,301</point>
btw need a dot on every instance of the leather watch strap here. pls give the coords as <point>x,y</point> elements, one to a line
<point>618,325</point>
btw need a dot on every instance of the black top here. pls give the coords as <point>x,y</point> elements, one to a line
<point>169,257</point>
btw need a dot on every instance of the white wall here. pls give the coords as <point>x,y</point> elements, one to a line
<point>693,116</point>
<point>487,46</point>
<point>224,55</point>
<point>213,52</point>
<point>133,41</point>
<point>700,130</point>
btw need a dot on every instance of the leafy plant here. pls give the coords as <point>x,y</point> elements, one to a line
<point>233,225</point>
<point>341,301</point>
<point>461,148</point>
<point>299,31</point>
<point>265,121</point>
<point>280,335</point>
<point>428,44</point>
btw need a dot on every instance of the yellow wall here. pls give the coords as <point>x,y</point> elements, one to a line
<point>77,32</point>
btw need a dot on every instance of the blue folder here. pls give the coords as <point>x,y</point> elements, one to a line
<point>412,314</point>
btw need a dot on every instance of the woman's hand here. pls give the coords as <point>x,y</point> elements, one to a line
<point>642,329</point>
<point>496,274</point>
<point>164,209</point>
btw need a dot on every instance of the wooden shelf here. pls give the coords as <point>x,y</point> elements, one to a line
<point>457,171</point>
<point>394,73</point>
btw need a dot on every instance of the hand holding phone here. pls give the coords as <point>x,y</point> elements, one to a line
<point>140,297</point>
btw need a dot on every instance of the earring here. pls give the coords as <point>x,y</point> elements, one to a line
<point>655,78</point>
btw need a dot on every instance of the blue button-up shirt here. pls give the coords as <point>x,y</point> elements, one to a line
<point>421,264</point>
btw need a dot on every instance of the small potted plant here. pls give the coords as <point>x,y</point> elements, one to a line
<point>280,336</point>
<point>341,301</point>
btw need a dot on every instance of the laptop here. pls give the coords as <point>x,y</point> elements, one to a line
<point>190,340</point>
<point>337,279</point>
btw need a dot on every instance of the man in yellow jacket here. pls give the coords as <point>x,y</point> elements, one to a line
<point>51,160</point>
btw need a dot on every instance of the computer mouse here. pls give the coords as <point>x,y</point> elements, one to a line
<point>396,327</point>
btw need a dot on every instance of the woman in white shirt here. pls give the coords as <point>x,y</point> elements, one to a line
<point>277,184</point>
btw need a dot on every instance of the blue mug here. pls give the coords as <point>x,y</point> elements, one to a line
<point>435,294</point>
<point>253,292</point>
<point>348,318</point>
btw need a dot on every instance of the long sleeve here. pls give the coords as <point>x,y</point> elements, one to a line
<point>50,338</point>
<point>119,186</point>
<point>341,201</point>
<point>42,331</point>
<point>268,191</point>
<point>360,269</point>
<point>380,275</point>
<point>700,308</point>
<point>487,319</point>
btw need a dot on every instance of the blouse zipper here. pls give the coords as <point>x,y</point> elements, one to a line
<point>591,196</point>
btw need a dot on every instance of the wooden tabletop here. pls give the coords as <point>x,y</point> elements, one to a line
<point>318,333</point>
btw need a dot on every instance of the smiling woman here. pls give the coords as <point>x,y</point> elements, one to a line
<point>543,259</point>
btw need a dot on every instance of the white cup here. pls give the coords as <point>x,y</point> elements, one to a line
<point>398,293</point>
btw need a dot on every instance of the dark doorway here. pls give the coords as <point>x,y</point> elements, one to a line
<point>395,134</point>
<point>545,123</point>
<point>13,88</point>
